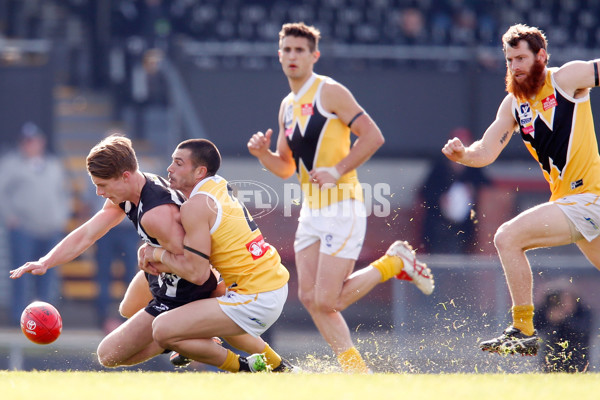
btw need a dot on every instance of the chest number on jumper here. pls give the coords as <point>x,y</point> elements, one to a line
<point>251,224</point>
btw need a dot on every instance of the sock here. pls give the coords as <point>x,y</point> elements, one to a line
<point>352,362</point>
<point>273,359</point>
<point>523,318</point>
<point>388,266</point>
<point>232,362</point>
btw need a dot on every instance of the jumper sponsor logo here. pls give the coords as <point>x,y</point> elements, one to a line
<point>528,130</point>
<point>306,109</point>
<point>549,102</point>
<point>257,247</point>
<point>576,184</point>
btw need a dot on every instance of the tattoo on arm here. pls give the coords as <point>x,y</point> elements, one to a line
<point>504,138</point>
<point>597,76</point>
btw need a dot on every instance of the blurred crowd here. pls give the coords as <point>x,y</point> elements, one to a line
<point>89,31</point>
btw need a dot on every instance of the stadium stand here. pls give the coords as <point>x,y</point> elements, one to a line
<point>220,41</point>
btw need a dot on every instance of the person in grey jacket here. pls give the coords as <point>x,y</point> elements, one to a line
<point>35,209</point>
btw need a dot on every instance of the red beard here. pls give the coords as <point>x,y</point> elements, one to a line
<point>531,85</point>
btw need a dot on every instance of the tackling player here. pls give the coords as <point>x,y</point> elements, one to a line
<point>153,207</point>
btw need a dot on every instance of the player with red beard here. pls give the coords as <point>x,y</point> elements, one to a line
<point>551,109</point>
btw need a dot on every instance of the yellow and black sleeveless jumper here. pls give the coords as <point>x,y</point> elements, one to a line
<point>317,138</point>
<point>558,131</point>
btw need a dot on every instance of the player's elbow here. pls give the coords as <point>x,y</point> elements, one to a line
<point>198,276</point>
<point>379,141</point>
<point>287,174</point>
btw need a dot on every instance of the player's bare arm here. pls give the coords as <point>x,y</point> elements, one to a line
<point>487,149</point>
<point>577,77</point>
<point>76,242</point>
<point>337,99</point>
<point>197,217</point>
<point>281,163</point>
<point>164,224</point>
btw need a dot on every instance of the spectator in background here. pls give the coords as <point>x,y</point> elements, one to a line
<point>35,209</point>
<point>565,325</point>
<point>150,94</point>
<point>450,197</point>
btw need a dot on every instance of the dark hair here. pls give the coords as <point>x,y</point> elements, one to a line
<point>111,158</point>
<point>300,29</point>
<point>203,153</point>
<point>535,38</point>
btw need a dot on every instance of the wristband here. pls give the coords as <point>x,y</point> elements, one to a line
<point>332,171</point>
<point>161,256</point>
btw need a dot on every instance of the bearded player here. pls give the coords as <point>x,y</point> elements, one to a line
<point>551,109</point>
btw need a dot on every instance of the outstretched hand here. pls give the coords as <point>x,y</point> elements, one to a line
<point>33,267</point>
<point>259,143</point>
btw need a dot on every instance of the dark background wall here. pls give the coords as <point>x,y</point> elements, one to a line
<point>415,109</point>
<point>25,95</point>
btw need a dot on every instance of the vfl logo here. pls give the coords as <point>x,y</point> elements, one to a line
<point>526,118</point>
<point>259,322</point>
<point>591,221</point>
<point>576,184</point>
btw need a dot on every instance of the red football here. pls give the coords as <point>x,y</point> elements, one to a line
<point>41,322</point>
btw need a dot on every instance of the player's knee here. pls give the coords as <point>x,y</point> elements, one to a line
<point>325,305</point>
<point>505,238</point>
<point>306,298</point>
<point>160,333</point>
<point>125,311</point>
<point>104,357</point>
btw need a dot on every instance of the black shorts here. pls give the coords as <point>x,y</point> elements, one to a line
<point>155,308</point>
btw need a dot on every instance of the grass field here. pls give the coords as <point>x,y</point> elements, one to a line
<point>50,385</point>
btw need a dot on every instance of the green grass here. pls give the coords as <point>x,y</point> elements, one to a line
<point>50,385</point>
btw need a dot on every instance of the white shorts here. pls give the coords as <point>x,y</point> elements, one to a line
<point>340,227</point>
<point>583,210</point>
<point>254,313</point>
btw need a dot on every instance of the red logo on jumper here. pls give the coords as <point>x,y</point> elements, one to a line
<point>549,102</point>
<point>258,247</point>
<point>306,109</point>
<point>528,130</point>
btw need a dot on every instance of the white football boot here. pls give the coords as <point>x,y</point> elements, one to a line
<point>414,271</point>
